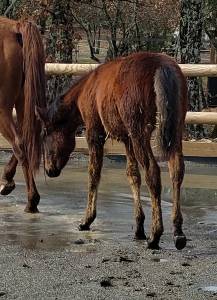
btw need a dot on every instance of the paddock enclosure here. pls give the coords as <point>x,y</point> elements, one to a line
<point>56,260</point>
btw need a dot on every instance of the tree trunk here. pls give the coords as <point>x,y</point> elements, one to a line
<point>4,4</point>
<point>191,25</point>
<point>59,45</point>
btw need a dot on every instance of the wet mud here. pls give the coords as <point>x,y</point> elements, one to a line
<point>44,256</point>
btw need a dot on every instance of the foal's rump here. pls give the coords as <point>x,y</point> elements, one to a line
<point>142,92</point>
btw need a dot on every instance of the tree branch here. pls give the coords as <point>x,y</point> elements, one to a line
<point>10,7</point>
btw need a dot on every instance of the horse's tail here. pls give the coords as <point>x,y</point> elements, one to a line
<point>168,90</point>
<point>34,91</point>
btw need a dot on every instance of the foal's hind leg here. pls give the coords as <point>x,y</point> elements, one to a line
<point>176,169</point>
<point>7,182</point>
<point>144,155</point>
<point>95,144</point>
<point>134,178</point>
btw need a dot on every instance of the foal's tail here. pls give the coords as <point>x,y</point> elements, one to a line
<point>34,90</point>
<point>168,90</point>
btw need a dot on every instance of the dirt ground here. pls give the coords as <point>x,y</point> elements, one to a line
<point>44,256</point>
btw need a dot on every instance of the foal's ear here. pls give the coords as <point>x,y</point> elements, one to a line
<point>41,114</point>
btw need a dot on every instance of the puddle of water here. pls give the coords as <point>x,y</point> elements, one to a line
<point>210,288</point>
<point>63,201</point>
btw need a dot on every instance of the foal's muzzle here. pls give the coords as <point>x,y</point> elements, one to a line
<point>54,172</point>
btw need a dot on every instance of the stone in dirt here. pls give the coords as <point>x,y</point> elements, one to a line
<point>125,258</point>
<point>79,242</point>
<point>26,266</point>
<point>106,282</point>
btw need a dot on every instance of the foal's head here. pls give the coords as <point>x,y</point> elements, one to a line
<point>58,139</point>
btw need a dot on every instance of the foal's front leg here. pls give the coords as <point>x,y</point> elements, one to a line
<point>94,171</point>
<point>176,169</point>
<point>7,182</point>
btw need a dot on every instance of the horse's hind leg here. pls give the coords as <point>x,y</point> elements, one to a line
<point>134,179</point>
<point>33,195</point>
<point>145,157</point>
<point>177,169</point>
<point>95,143</point>
<point>7,182</point>
<point>10,133</point>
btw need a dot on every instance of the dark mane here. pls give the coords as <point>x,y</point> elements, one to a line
<point>64,106</point>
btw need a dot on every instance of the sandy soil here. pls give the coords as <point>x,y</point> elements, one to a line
<point>45,257</point>
<point>112,270</point>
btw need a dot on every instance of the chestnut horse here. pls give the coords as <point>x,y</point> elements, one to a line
<point>22,86</point>
<point>125,99</point>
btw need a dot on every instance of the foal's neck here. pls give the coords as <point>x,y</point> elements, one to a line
<point>66,107</point>
<point>71,96</point>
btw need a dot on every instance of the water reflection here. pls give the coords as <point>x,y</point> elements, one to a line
<point>63,201</point>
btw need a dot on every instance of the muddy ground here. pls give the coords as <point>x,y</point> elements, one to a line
<point>44,256</point>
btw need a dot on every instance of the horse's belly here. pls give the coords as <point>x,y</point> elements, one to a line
<point>11,68</point>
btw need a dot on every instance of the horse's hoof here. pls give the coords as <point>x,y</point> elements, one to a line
<point>31,210</point>
<point>7,188</point>
<point>153,245</point>
<point>83,227</point>
<point>180,241</point>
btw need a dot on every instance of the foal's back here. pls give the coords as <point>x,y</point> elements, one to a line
<point>121,94</point>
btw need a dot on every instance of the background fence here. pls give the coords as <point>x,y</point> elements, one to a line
<point>190,148</point>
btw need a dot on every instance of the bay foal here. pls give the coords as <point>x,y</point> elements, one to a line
<point>126,99</point>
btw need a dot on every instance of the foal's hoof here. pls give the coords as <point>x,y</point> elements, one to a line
<point>180,241</point>
<point>31,210</point>
<point>83,227</point>
<point>7,188</point>
<point>154,245</point>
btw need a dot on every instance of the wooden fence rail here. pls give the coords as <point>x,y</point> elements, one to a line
<point>203,149</point>
<point>192,117</point>
<point>80,69</point>
<point>190,148</point>
<point>209,118</point>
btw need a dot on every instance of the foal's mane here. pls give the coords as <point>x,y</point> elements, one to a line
<point>64,106</point>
